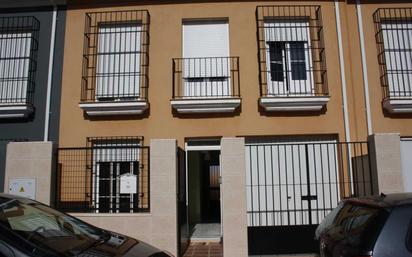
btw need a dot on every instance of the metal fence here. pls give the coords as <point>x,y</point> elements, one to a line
<point>206,78</point>
<point>116,56</point>
<point>103,179</point>
<point>393,28</point>
<point>293,184</point>
<point>18,58</point>
<point>291,51</point>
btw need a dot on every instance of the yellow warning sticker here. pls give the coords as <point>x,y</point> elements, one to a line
<point>21,190</point>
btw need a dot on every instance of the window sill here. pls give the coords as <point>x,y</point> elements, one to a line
<point>293,104</point>
<point>15,110</point>
<point>224,105</point>
<point>398,105</point>
<point>114,108</point>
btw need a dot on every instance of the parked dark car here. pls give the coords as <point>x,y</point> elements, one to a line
<point>29,228</point>
<point>376,226</point>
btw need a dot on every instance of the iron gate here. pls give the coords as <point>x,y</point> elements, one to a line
<point>291,187</point>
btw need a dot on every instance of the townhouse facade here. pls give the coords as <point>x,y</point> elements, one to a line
<point>31,45</point>
<point>245,122</point>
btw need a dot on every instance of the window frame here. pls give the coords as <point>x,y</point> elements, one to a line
<point>289,85</point>
<point>132,83</point>
<point>395,56</point>
<point>394,82</point>
<point>112,151</point>
<point>115,174</point>
<point>18,83</point>
<point>116,56</point>
<point>312,16</point>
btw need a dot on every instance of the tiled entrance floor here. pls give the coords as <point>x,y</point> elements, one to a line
<point>206,232</point>
<point>204,250</point>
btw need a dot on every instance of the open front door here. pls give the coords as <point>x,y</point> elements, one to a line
<point>183,217</point>
<point>204,194</point>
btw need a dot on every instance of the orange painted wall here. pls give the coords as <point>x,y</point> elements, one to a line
<point>166,43</point>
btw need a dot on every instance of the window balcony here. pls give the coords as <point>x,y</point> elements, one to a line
<point>206,85</point>
<point>115,63</point>
<point>393,36</point>
<point>18,55</point>
<point>291,58</point>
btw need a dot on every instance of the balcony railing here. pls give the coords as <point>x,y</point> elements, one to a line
<point>206,78</point>
<point>104,178</point>
<point>18,59</point>
<point>116,56</point>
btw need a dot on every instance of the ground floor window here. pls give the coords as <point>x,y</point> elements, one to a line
<point>109,175</point>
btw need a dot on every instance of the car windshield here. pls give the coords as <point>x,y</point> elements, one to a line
<point>45,229</point>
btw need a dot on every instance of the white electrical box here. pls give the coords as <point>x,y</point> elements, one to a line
<point>25,187</point>
<point>128,184</point>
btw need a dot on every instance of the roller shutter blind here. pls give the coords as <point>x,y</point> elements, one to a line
<point>118,62</point>
<point>14,66</point>
<point>206,73</point>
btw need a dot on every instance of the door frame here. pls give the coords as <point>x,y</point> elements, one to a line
<point>197,148</point>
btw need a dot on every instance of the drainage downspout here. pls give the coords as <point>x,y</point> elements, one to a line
<point>342,73</point>
<point>50,74</point>
<point>364,67</point>
<point>344,92</point>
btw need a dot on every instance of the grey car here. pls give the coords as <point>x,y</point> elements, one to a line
<point>375,226</point>
<point>29,228</point>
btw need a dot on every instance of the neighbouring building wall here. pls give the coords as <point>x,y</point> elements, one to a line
<point>32,128</point>
<point>382,122</point>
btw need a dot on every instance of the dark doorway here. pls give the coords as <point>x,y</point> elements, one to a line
<point>204,194</point>
<point>211,187</point>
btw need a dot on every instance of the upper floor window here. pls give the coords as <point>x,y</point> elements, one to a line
<point>115,63</point>
<point>118,62</point>
<point>18,48</point>
<point>394,39</point>
<point>206,66</point>
<point>206,79</point>
<point>289,57</point>
<point>291,51</point>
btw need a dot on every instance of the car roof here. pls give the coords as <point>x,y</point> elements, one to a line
<point>384,200</point>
